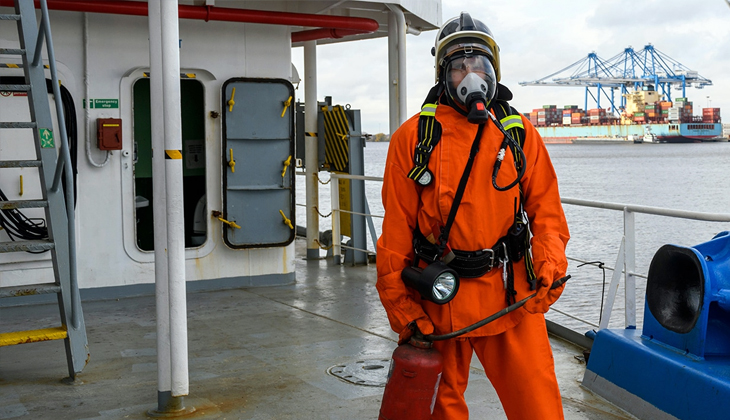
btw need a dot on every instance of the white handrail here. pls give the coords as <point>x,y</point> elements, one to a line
<point>625,261</point>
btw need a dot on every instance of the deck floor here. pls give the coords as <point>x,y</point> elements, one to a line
<point>258,353</point>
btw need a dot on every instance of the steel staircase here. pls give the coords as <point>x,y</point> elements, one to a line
<point>52,164</point>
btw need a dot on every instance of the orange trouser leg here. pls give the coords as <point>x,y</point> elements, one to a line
<point>520,365</point>
<point>450,404</point>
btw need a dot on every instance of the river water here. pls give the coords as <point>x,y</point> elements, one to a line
<point>678,176</point>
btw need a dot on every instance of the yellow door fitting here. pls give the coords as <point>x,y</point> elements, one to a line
<point>231,224</point>
<point>287,162</point>
<point>287,103</point>
<point>286,220</point>
<point>231,102</point>
<point>232,163</point>
<point>21,185</point>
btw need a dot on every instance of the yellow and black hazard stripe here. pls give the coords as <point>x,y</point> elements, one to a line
<point>16,66</point>
<point>336,136</point>
<point>173,154</point>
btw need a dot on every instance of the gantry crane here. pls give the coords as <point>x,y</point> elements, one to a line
<point>648,68</point>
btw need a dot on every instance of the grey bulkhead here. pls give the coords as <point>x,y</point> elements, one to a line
<point>258,136</point>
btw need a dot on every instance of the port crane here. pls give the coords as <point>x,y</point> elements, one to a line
<point>629,70</point>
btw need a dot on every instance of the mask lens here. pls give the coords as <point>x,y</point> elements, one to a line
<point>459,68</point>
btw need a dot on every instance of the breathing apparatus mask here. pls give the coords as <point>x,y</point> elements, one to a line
<point>467,65</point>
<point>471,84</point>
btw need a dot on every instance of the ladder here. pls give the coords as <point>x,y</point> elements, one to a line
<point>58,207</point>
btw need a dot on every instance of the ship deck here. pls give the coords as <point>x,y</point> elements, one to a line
<point>254,353</point>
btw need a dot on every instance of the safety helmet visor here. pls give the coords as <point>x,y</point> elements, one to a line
<point>464,47</point>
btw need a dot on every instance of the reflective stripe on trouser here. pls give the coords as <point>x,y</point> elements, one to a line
<point>519,364</point>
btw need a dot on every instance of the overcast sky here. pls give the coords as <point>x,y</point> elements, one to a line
<point>538,38</point>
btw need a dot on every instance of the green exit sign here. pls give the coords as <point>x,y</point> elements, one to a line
<point>102,103</point>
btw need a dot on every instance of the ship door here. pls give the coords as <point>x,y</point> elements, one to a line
<point>258,162</point>
<point>193,138</point>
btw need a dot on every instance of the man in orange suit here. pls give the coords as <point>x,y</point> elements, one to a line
<point>421,185</point>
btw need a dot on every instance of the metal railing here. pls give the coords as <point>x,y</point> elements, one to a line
<point>336,210</point>
<point>63,164</point>
<point>625,260</point>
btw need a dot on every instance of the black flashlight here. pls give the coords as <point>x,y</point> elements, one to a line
<point>437,283</point>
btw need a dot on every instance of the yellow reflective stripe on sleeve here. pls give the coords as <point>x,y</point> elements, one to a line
<point>429,110</point>
<point>512,121</point>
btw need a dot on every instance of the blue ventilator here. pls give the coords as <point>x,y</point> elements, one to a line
<point>678,367</point>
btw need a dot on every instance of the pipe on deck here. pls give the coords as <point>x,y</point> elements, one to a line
<point>329,26</point>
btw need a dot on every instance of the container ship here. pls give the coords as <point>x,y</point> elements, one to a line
<point>646,118</point>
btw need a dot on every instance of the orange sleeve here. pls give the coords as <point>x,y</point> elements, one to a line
<point>542,203</point>
<point>401,200</point>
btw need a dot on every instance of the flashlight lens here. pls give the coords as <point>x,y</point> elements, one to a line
<point>444,286</point>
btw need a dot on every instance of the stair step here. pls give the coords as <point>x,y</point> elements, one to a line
<point>9,17</point>
<point>12,51</point>
<point>23,204</point>
<point>18,246</point>
<point>18,124</point>
<point>32,336</point>
<point>29,289</point>
<point>15,88</point>
<point>20,163</point>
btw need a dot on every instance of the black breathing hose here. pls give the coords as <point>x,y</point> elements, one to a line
<point>487,320</point>
<point>500,157</point>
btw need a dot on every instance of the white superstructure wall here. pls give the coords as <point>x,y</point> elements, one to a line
<point>117,57</point>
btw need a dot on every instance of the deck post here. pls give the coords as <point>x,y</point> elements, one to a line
<point>311,152</point>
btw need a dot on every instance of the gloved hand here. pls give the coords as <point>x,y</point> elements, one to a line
<point>544,297</point>
<point>422,324</point>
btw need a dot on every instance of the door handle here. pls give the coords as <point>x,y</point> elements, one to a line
<point>286,220</point>
<point>287,103</point>
<point>287,162</point>
<point>231,102</point>
<point>232,162</point>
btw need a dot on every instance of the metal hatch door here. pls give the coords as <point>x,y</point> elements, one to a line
<point>258,162</point>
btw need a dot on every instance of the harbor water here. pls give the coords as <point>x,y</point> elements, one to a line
<point>690,177</point>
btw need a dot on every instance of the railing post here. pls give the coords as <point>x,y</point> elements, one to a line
<point>630,267</point>
<point>613,287</point>
<point>335,199</point>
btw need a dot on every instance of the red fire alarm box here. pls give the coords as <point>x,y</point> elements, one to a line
<point>109,133</point>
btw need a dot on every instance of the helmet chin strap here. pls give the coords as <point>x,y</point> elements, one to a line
<point>472,92</point>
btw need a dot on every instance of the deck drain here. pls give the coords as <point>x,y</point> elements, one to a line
<point>370,372</point>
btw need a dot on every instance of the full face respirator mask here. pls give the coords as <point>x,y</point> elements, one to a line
<point>471,83</point>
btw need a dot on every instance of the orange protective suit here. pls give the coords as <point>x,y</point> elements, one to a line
<point>513,349</point>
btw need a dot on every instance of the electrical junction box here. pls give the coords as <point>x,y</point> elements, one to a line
<point>109,133</point>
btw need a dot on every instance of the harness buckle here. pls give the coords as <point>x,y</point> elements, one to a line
<point>420,148</point>
<point>492,256</point>
<point>503,262</point>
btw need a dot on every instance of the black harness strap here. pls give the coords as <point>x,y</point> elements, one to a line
<point>515,245</point>
<point>444,237</point>
<point>429,134</point>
